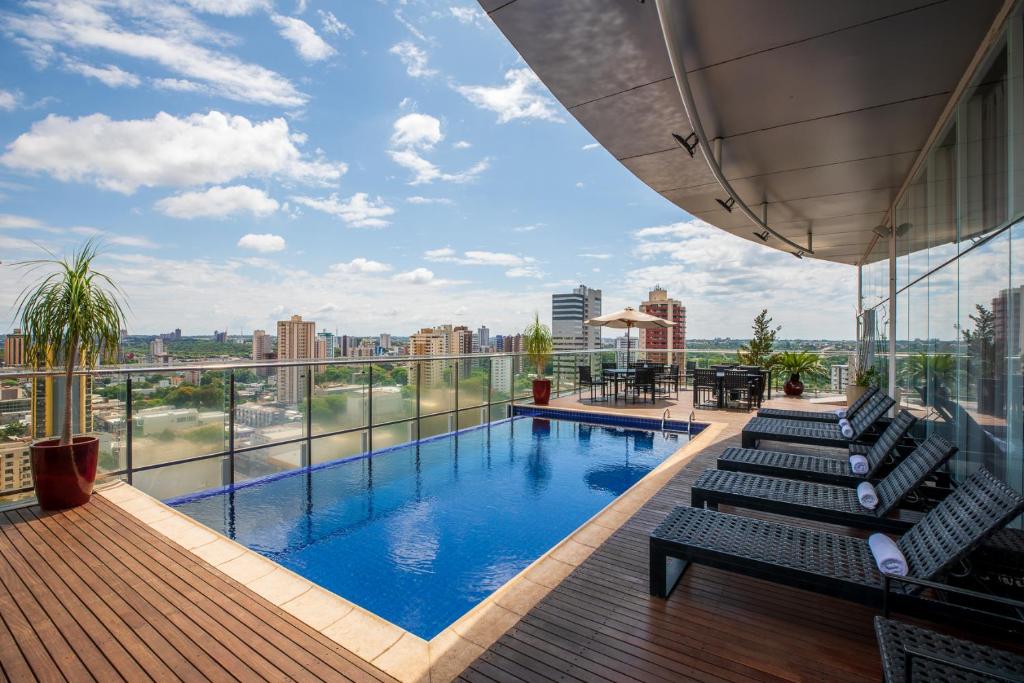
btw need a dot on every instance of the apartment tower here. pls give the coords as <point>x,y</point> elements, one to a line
<point>296,340</point>
<point>671,340</point>
<point>568,313</point>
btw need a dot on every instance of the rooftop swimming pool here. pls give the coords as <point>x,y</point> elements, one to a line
<point>421,533</point>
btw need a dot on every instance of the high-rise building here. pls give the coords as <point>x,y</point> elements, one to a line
<point>262,347</point>
<point>14,349</point>
<point>15,465</point>
<point>485,336</point>
<point>329,342</point>
<point>156,347</point>
<point>385,341</point>
<point>671,340</point>
<point>430,341</point>
<point>568,313</point>
<point>345,345</point>
<point>498,342</point>
<point>48,401</point>
<point>624,353</point>
<point>296,340</point>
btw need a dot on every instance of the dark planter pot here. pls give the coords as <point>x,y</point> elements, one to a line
<point>793,386</point>
<point>64,475</point>
<point>541,391</point>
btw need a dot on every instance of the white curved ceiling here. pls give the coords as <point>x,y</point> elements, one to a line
<point>822,106</point>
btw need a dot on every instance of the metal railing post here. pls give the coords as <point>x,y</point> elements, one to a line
<point>231,426</point>
<point>490,372</point>
<point>419,385</point>
<point>128,416</point>
<point>369,409</point>
<point>307,454</point>
<point>455,374</point>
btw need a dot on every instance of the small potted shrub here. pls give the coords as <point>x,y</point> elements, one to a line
<point>71,318</point>
<point>537,344</point>
<point>794,364</point>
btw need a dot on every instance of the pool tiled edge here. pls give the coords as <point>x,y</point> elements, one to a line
<point>392,649</point>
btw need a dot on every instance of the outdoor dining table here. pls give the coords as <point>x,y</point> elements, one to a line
<point>617,375</point>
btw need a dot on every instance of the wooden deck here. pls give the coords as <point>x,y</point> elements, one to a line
<point>600,623</point>
<point>92,594</point>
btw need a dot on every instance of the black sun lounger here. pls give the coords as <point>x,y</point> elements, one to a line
<point>833,564</point>
<point>912,653</point>
<point>824,502</point>
<point>815,433</point>
<point>818,416</point>
<point>820,468</point>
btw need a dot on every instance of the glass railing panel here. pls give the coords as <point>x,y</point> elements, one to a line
<point>179,480</point>
<point>394,398</point>
<point>393,435</point>
<point>261,417</point>
<point>437,424</point>
<point>437,386</point>
<point>338,446</point>
<point>340,398</point>
<point>108,403</point>
<point>501,377</point>
<point>179,415</point>
<point>268,461</point>
<point>472,417</point>
<point>472,382</point>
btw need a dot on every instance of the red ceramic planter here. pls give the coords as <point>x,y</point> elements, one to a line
<point>793,387</point>
<point>64,475</point>
<point>541,391</point>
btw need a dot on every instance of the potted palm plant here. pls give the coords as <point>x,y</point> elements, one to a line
<point>537,344</point>
<point>796,363</point>
<point>71,319</point>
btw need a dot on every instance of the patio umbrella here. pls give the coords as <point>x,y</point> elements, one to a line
<point>629,318</point>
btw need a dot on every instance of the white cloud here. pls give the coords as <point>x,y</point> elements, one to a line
<point>418,276</point>
<point>468,15</point>
<point>518,266</point>
<point>592,145</point>
<point>9,100</point>
<point>178,85</point>
<point>265,244</point>
<point>8,220</point>
<point>229,8</point>
<point>421,131</point>
<point>579,184</point>
<point>110,75</point>
<point>522,97</point>
<point>165,150</point>
<point>410,26</point>
<point>308,44</point>
<point>415,199</point>
<point>414,58</point>
<point>712,271</point>
<point>360,265</point>
<point>331,24</point>
<point>358,211</point>
<point>417,133</point>
<point>135,241</point>
<point>462,144</point>
<point>218,202</point>
<point>528,228</point>
<point>166,34</point>
<point>602,257</point>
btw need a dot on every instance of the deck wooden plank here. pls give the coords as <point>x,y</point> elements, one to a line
<point>118,643</point>
<point>260,619</point>
<point>128,604</point>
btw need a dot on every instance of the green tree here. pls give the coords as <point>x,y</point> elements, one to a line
<point>759,351</point>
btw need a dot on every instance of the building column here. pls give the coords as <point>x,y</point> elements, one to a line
<point>892,308</point>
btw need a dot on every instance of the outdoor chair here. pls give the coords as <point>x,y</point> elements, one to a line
<point>642,383</point>
<point>913,653</point>
<point>608,366</point>
<point>737,387</point>
<point>835,564</point>
<point>588,380</point>
<point>668,380</point>
<point>822,468</point>
<point>705,384</point>
<point>818,416</point>
<point>824,502</point>
<point>814,433</point>
<point>691,365</point>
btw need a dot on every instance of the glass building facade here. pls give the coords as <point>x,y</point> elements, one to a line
<point>943,287</point>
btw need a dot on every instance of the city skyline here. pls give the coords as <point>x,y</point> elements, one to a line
<point>363,172</point>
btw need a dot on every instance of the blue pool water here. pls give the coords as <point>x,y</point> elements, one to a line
<point>421,533</point>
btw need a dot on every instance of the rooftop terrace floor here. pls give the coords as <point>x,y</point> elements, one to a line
<point>94,593</point>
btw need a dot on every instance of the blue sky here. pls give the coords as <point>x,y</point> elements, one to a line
<point>375,166</point>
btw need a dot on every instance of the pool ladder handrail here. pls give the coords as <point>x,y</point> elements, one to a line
<point>664,418</point>
<point>689,423</point>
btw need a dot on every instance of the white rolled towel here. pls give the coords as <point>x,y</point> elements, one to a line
<point>845,428</point>
<point>866,495</point>
<point>888,556</point>
<point>840,413</point>
<point>859,464</point>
